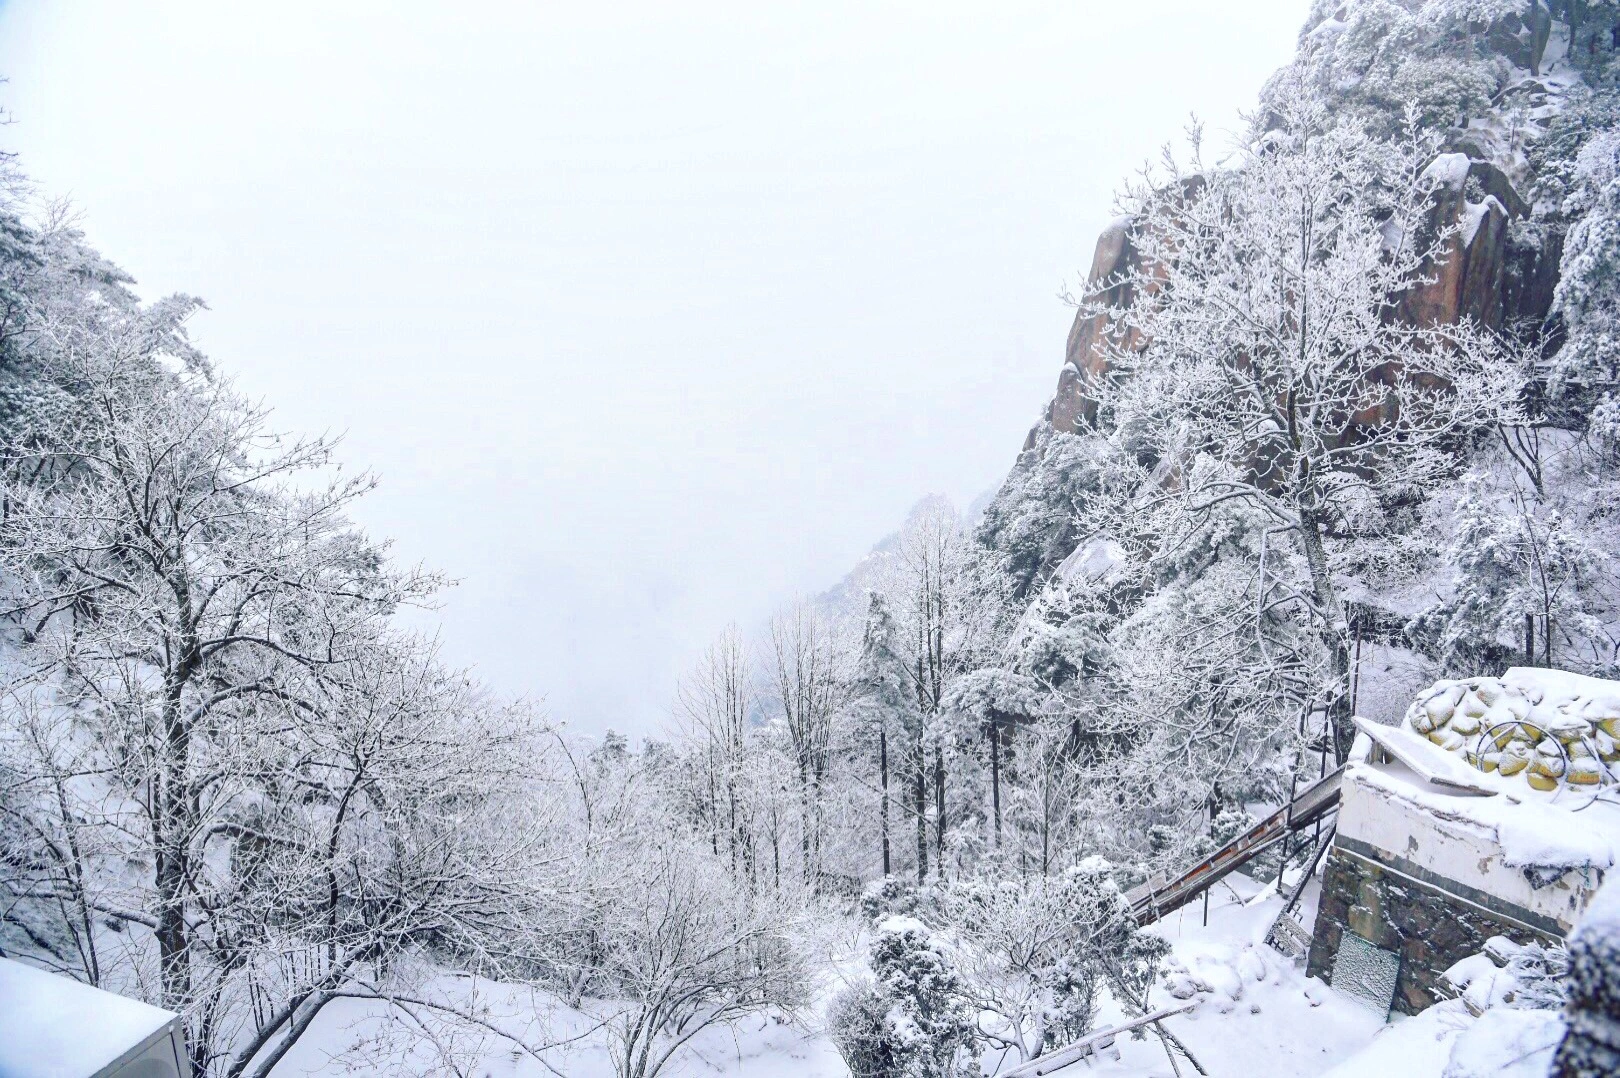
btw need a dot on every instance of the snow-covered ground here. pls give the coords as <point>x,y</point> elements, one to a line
<point>1445,1041</point>
<point>1262,1017</point>
<point>1257,1015</point>
<point>349,1038</point>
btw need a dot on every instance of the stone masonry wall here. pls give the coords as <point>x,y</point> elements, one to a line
<point>1429,928</point>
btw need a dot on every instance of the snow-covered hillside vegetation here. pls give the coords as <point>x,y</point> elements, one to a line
<point>1338,419</point>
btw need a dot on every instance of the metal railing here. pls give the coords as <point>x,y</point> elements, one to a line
<point>1154,899</point>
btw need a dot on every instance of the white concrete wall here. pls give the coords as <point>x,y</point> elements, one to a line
<point>1453,846</point>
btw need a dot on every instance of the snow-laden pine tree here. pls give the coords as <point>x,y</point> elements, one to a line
<point>930,1019</point>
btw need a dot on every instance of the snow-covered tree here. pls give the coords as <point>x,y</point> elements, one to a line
<point>1516,557</point>
<point>882,707</point>
<point>1275,371</point>
<point>1588,295</point>
<point>247,791</point>
<point>684,947</point>
<point>809,685</point>
<point>1035,952</point>
<point>997,701</point>
<point>934,614</point>
<point>716,702</point>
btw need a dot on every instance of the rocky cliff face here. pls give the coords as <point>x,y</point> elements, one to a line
<point>1486,275</point>
<point>1511,102</point>
<point>1495,271</point>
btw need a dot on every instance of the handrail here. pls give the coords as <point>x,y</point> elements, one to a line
<point>1059,1058</point>
<point>1153,900</point>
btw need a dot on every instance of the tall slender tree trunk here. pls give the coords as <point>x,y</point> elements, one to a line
<point>995,777</point>
<point>817,818</point>
<point>172,869</point>
<point>731,823</point>
<point>919,799</point>
<point>939,810</point>
<point>173,825</point>
<point>1046,820</point>
<point>1334,635</point>
<point>804,821</point>
<point>714,810</point>
<point>883,794</point>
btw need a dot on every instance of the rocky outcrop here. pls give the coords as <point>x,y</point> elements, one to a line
<point>1465,280</point>
<point>1522,38</point>
<point>1113,283</point>
<point>1481,275</point>
<point>1085,359</point>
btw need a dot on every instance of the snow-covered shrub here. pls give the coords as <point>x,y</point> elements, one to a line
<point>1229,823</point>
<point>888,897</point>
<point>676,940</point>
<point>930,1016</point>
<point>1036,952</point>
<point>1540,973</point>
<point>858,1024</point>
<point>1523,976</point>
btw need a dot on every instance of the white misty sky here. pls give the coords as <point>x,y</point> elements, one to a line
<point>649,316</point>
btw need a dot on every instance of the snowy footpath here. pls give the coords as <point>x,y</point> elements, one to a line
<point>1257,1013</point>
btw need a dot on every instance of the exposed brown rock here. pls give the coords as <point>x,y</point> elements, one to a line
<point>1468,276</point>
<point>1085,358</point>
<point>1471,281</point>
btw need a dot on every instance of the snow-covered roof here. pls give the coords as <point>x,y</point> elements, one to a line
<point>51,1025</point>
<point>1433,764</point>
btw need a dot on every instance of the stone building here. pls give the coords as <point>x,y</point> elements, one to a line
<point>1436,851</point>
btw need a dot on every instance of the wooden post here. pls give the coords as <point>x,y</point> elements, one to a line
<point>1288,834</point>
